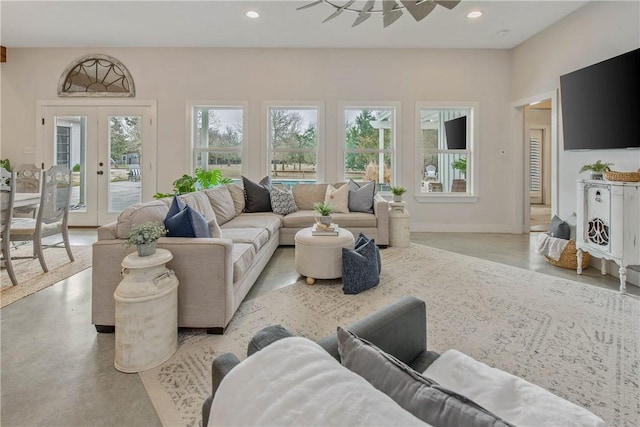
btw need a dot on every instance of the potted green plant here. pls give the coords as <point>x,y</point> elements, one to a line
<point>145,236</point>
<point>203,178</point>
<point>324,210</point>
<point>460,185</point>
<point>597,169</point>
<point>397,192</point>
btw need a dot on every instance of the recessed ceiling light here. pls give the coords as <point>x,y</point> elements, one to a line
<point>252,14</point>
<point>502,33</point>
<point>474,14</point>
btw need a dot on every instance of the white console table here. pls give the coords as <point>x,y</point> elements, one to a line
<point>608,224</point>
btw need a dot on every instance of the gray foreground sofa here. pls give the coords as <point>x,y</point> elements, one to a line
<point>216,273</point>
<point>399,329</point>
<point>386,376</point>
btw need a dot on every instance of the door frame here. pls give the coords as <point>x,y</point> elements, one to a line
<point>151,150</point>
<point>520,221</point>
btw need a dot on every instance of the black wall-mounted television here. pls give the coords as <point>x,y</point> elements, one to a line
<point>456,132</point>
<point>601,104</point>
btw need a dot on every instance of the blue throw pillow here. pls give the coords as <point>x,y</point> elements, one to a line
<point>360,268</point>
<point>361,240</point>
<point>187,223</point>
<point>176,206</point>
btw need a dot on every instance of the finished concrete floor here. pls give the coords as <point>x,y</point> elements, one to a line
<point>57,371</point>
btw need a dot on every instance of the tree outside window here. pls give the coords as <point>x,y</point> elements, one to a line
<point>293,144</point>
<point>369,144</point>
<point>218,139</point>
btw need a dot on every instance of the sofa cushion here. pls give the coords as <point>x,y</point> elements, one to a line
<point>361,196</point>
<point>222,203</point>
<point>269,221</point>
<point>214,228</point>
<point>282,201</point>
<point>338,198</point>
<point>294,382</point>
<point>199,202</point>
<point>242,258</point>
<point>306,195</point>
<point>360,270</point>
<point>355,220</point>
<point>258,237</point>
<point>187,223</point>
<point>418,395</point>
<point>512,398</point>
<point>299,219</point>
<point>155,211</point>
<point>256,195</point>
<point>237,194</point>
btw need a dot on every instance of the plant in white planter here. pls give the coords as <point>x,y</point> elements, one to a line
<point>397,193</point>
<point>597,169</point>
<point>324,210</point>
<point>145,236</point>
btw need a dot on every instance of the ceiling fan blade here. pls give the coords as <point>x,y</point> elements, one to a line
<point>419,9</point>
<point>449,4</point>
<point>315,3</point>
<point>389,12</point>
<point>365,13</point>
<point>333,15</point>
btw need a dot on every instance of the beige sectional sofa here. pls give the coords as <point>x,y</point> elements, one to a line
<point>216,273</point>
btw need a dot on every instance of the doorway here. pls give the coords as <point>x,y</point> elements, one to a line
<point>110,148</point>
<point>539,173</point>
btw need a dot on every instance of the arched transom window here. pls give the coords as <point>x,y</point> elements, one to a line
<point>96,76</point>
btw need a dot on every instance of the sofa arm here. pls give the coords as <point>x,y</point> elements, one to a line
<point>381,211</point>
<point>108,231</point>
<point>399,329</point>
<point>219,369</point>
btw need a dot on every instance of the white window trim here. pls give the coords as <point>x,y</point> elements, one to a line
<point>473,141</point>
<point>397,135</point>
<point>190,148</point>
<point>320,152</point>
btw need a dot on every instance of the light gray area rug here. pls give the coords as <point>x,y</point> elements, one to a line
<point>578,341</point>
<point>29,273</point>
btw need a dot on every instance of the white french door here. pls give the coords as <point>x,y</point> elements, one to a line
<point>111,148</point>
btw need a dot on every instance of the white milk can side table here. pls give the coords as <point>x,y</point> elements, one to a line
<point>146,312</point>
<point>399,225</point>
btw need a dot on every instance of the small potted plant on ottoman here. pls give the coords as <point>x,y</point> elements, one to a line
<point>324,210</point>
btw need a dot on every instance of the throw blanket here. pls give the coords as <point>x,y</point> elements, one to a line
<point>295,382</point>
<point>513,399</point>
<point>550,246</point>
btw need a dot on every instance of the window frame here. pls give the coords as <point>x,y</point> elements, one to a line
<point>267,106</point>
<point>193,150</point>
<point>396,136</point>
<point>472,195</point>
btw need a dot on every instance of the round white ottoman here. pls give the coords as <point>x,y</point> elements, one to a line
<point>320,257</point>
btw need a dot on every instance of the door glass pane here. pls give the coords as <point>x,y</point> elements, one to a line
<point>70,151</point>
<point>125,155</point>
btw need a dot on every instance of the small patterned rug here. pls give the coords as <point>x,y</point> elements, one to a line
<point>578,341</point>
<point>29,273</point>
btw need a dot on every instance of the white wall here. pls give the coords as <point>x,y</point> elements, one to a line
<point>595,32</point>
<point>173,76</point>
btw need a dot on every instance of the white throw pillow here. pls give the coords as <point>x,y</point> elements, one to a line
<point>338,198</point>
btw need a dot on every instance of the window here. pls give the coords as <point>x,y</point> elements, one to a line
<point>369,143</point>
<point>96,76</point>
<point>293,142</point>
<point>218,136</point>
<point>445,146</point>
<point>63,146</point>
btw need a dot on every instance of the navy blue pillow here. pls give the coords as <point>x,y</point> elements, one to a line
<point>360,268</point>
<point>187,223</point>
<point>176,206</point>
<point>361,240</point>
